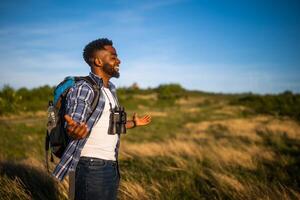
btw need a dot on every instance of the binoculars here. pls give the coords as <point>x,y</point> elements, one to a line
<point>117,118</point>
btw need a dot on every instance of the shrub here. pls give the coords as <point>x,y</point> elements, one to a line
<point>170,92</point>
<point>8,100</point>
<point>284,104</point>
<point>23,99</point>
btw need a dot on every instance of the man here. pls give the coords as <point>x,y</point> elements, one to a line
<point>93,152</point>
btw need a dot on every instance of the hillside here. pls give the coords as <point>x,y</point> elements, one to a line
<point>199,146</point>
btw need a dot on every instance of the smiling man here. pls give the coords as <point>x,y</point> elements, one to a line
<point>93,152</point>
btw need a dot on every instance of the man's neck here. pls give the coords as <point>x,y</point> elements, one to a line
<point>105,82</point>
<point>102,75</point>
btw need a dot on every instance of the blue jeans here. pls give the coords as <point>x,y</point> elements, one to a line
<point>96,179</point>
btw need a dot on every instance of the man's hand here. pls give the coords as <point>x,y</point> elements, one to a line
<point>141,121</point>
<point>74,129</point>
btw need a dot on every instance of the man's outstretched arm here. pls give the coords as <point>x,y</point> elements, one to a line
<point>138,121</point>
<point>78,108</point>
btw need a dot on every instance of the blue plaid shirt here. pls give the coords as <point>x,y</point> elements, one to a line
<point>79,100</point>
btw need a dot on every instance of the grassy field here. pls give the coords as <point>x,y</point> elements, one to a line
<point>199,146</point>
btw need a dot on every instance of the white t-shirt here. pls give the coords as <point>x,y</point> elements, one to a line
<point>100,144</point>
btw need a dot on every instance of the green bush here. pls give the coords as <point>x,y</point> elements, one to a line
<point>23,99</point>
<point>170,92</point>
<point>8,100</point>
<point>284,104</point>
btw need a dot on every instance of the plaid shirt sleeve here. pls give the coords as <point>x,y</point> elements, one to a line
<point>79,100</point>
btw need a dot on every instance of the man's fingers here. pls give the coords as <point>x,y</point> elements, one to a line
<point>85,133</point>
<point>69,120</point>
<point>134,115</point>
<point>82,131</point>
<point>147,117</point>
<point>141,121</point>
<point>70,129</point>
<point>77,130</point>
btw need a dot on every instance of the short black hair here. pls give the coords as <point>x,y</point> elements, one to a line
<point>93,46</point>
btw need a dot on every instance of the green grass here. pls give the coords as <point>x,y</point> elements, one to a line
<point>168,159</point>
<point>21,139</point>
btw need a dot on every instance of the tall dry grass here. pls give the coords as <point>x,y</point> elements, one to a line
<point>229,156</point>
<point>201,148</point>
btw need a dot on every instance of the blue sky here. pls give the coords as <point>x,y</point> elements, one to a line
<point>219,46</point>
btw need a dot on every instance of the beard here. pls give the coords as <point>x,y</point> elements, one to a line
<point>108,69</point>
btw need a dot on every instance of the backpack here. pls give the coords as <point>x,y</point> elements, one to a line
<point>57,138</point>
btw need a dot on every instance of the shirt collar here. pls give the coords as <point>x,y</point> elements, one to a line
<point>99,80</point>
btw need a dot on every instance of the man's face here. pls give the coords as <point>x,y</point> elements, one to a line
<point>110,61</point>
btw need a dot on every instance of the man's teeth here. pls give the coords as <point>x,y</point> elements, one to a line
<point>117,68</point>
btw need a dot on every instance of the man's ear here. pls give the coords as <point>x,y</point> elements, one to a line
<point>98,62</point>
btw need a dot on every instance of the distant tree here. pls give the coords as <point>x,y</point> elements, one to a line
<point>170,92</point>
<point>8,100</point>
<point>135,86</point>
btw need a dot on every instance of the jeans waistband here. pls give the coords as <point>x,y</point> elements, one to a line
<point>91,159</point>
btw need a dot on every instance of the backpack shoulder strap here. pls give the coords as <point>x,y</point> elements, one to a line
<point>96,90</point>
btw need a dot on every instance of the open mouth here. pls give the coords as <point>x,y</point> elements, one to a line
<point>117,68</point>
